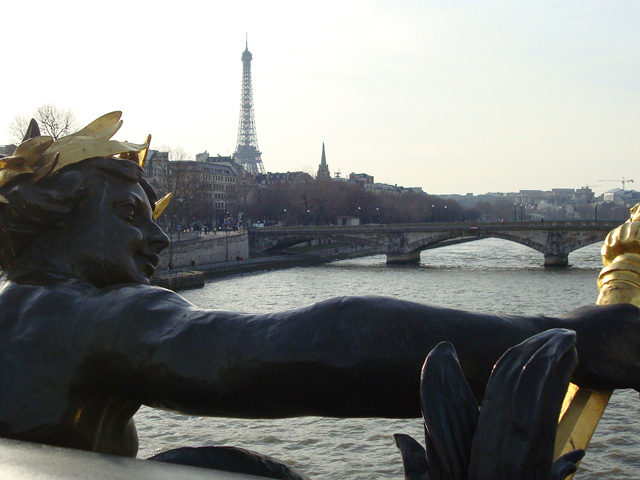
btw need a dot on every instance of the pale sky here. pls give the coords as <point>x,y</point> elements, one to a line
<point>452,96</point>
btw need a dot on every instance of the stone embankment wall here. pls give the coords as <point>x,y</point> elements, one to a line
<point>205,249</point>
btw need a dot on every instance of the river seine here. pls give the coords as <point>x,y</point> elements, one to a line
<point>491,275</point>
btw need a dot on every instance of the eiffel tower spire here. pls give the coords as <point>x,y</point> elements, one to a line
<point>247,152</point>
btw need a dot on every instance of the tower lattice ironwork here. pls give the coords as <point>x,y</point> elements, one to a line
<point>247,152</point>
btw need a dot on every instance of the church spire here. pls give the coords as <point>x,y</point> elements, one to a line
<point>323,169</point>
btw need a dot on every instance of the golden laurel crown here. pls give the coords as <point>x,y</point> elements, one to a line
<point>42,156</point>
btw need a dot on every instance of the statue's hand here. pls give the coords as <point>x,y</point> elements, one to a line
<point>623,240</point>
<point>619,280</point>
<point>566,464</point>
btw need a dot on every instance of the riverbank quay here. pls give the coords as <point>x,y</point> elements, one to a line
<point>195,276</point>
<point>191,248</point>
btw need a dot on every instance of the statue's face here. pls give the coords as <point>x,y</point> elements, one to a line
<point>114,236</point>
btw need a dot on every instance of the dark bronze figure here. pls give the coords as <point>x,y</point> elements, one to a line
<point>231,459</point>
<point>86,340</point>
<point>513,434</point>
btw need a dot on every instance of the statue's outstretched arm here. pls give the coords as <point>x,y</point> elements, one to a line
<point>354,356</point>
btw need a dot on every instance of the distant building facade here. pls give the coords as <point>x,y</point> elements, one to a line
<point>362,178</point>
<point>270,178</point>
<point>156,170</point>
<point>7,150</point>
<point>219,181</point>
<point>622,197</point>
<point>210,182</point>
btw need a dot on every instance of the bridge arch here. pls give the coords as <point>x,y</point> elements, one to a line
<point>556,248</point>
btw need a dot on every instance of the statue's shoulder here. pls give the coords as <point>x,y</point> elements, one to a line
<point>69,293</point>
<point>63,307</point>
<point>21,289</point>
<point>137,293</point>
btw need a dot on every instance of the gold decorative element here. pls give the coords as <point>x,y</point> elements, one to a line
<point>139,157</point>
<point>142,156</point>
<point>27,159</point>
<point>579,420</point>
<point>42,156</point>
<point>161,205</point>
<point>619,282</point>
<point>78,415</point>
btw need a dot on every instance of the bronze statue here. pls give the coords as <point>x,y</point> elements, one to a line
<point>86,340</point>
<point>513,434</point>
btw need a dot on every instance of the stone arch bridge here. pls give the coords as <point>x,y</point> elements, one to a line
<point>403,243</point>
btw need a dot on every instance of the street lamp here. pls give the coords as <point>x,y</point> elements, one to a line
<point>433,214</point>
<point>359,214</point>
<point>445,213</point>
<point>515,212</point>
<point>595,212</point>
<point>521,213</point>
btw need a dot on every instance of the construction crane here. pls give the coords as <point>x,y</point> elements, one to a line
<point>623,180</point>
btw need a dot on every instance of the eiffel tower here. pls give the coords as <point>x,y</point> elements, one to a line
<point>247,153</point>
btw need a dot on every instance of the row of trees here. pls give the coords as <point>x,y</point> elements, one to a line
<point>319,202</point>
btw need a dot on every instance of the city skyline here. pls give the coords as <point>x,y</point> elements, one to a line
<point>453,97</point>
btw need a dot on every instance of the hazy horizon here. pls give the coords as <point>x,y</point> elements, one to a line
<point>451,96</point>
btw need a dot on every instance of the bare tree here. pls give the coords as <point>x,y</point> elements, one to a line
<point>18,128</point>
<point>175,153</point>
<point>55,121</point>
<point>245,191</point>
<point>52,120</point>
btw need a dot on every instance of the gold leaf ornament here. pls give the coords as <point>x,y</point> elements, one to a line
<point>42,156</point>
<point>92,141</point>
<point>25,159</point>
<point>11,167</point>
<point>161,205</point>
<point>31,150</point>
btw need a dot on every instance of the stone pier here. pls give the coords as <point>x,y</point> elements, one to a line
<point>403,258</point>
<point>556,260</point>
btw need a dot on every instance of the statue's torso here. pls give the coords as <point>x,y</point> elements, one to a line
<point>51,391</point>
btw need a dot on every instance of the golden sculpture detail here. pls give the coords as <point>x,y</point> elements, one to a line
<point>161,205</point>
<point>42,156</point>
<point>619,282</point>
